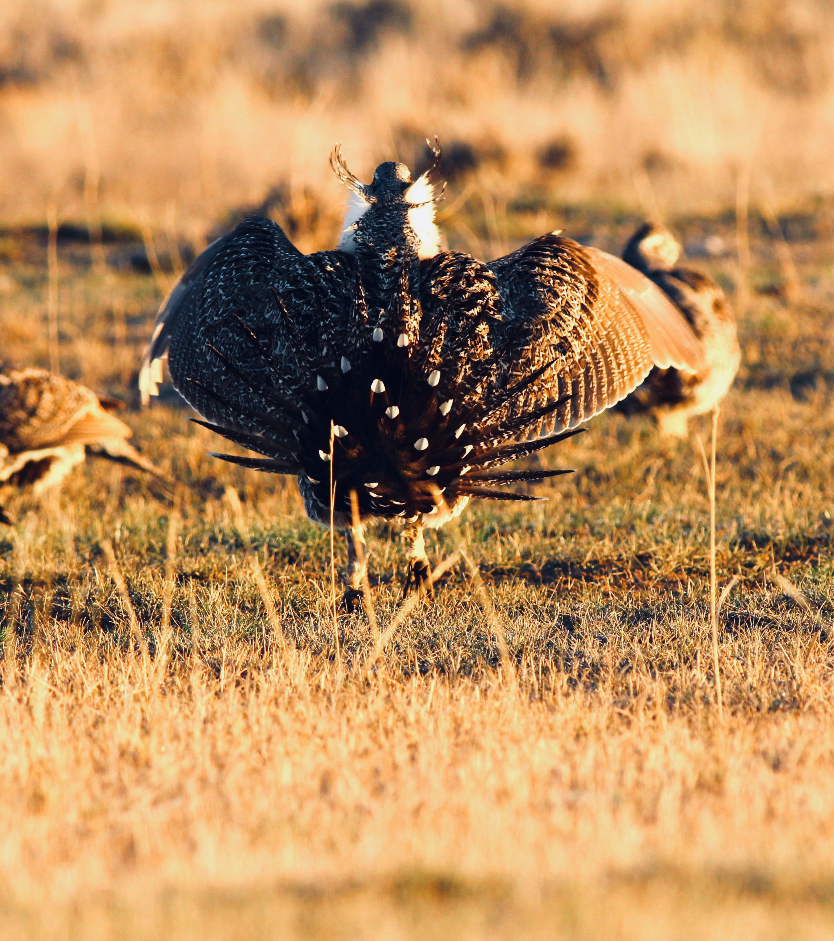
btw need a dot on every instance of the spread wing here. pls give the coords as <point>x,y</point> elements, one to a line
<point>672,341</point>
<point>39,409</point>
<point>172,313</point>
<point>252,313</point>
<point>599,322</point>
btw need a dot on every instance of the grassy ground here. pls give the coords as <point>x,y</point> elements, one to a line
<point>206,771</point>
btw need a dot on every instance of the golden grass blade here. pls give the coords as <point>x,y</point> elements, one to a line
<point>359,549</point>
<point>713,576</point>
<point>173,239</point>
<point>742,216</point>
<point>743,236</point>
<point>492,617</point>
<point>92,181</point>
<point>485,602</point>
<point>405,609</point>
<point>709,469</point>
<point>163,651</point>
<point>725,591</point>
<point>52,295</point>
<point>194,625</point>
<point>795,594</point>
<point>497,245</point>
<point>333,554</point>
<point>257,572</point>
<point>162,282</point>
<point>124,595</point>
<point>453,208</point>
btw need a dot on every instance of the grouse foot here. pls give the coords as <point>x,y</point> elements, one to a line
<point>352,600</point>
<point>418,578</point>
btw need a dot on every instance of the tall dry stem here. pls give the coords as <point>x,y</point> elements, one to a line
<point>359,549</point>
<point>790,276</point>
<point>124,595</point>
<point>164,641</point>
<point>52,292</point>
<point>173,239</point>
<point>333,553</point>
<point>492,618</point>
<point>713,580</point>
<point>92,181</point>
<point>743,234</point>
<point>153,259</point>
<point>709,469</point>
<point>257,572</point>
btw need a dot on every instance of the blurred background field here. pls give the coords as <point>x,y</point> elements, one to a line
<point>208,771</point>
<point>184,110</point>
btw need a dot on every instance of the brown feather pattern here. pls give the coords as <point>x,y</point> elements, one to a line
<point>673,392</point>
<point>430,371</point>
<point>48,423</point>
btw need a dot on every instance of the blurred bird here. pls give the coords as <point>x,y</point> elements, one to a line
<point>48,424</point>
<point>671,395</point>
<point>400,372</point>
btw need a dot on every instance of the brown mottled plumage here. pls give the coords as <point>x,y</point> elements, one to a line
<point>48,424</point>
<point>674,395</point>
<point>429,366</point>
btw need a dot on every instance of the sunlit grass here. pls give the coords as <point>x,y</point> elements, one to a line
<point>211,771</point>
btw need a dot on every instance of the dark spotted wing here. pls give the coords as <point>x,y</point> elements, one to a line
<point>252,322</point>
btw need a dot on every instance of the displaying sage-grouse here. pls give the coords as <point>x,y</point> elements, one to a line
<point>48,424</point>
<point>401,372</point>
<point>671,395</point>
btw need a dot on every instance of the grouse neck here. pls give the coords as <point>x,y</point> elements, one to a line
<point>406,223</point>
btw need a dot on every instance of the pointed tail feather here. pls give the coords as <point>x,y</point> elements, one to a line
<point>495,457</point>
<point>513,427</point>
<point>269,447</point>
<point>512,477</point>
<point>256,420</point>
<point>261,464</point>
<point>487,493</point>
<point>504,398</point>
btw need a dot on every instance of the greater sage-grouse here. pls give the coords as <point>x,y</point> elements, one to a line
<point>672,395</point>
<point>48,424</point>
<point>403,373</point>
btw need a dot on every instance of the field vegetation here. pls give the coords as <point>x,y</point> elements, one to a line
<point>189,747</point>
<point>183,110</point>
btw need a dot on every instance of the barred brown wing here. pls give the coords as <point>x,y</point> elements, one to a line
<point>601,324</point>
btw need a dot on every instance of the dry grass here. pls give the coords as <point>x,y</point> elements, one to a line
<point>176,760</point>
<point>183,109</point>
<point>187,750</point>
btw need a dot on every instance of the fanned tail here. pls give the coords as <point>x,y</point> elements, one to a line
<point>393,368</point>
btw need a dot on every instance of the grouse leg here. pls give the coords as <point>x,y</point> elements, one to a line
<point>418,576</point>
<point>357,567</point>
<point>119,451</point>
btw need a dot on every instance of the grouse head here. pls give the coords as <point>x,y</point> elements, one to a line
<point>390,183</point>
<point>652,248</point>
<point>392,209</point>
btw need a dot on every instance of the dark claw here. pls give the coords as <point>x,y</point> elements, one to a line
<point>418,578</point>
<point>352,600</point>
